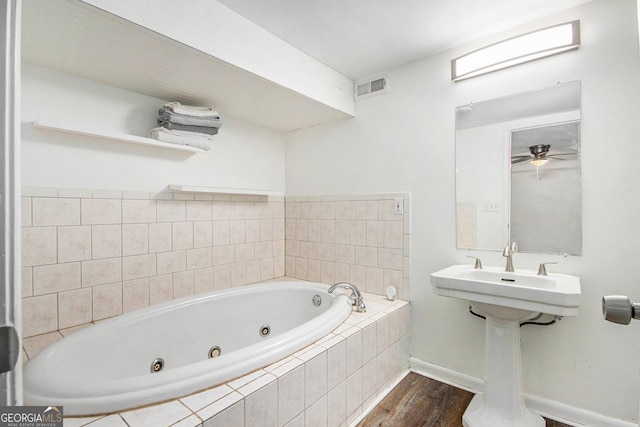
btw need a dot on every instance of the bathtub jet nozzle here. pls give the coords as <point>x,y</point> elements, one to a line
<point>356,296</point>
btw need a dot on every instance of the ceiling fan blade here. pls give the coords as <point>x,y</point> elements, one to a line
<point>556,158</point>
<point>515,160</point>
<point>562,154</point>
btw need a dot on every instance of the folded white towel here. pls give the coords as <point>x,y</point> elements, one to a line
<point>182,137</point>
<point>190,110</point>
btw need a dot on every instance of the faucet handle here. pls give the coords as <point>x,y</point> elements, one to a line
<point>478,264</point>
<point>542,270</point>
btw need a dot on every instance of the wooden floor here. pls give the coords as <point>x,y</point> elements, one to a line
<point>422,402</point>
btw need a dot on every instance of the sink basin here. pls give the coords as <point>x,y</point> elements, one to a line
<point>557,294</point>
<point>506,299</point>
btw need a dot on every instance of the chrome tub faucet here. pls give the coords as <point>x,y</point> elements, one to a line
<point>356,296</point>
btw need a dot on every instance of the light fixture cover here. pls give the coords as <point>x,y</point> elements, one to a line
<point>517,50</point>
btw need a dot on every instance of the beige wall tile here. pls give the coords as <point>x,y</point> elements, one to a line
<point>366,256</point>
<point>199,258</point>
<point>223,255</point>
<point>326,252</point>
<point>39,246</point>
<point>172,262</point>
<point>390,258</point>
<point>266,229</point>
<point>375,279</point>
<point>367,210</point>
<point>327,210</point>
<point>277,210</point>
<point>346,210</point>
<point>135,294</point>
<point>309,210</point>
<point>238,274</point>
<point>327,272</point>
<point>183,284</point>
<point>99,272</point>
<point>222,276</point>
<point>358,233</point>
<point>375,233</point>
<point>237,231</point>
<point>182,234</point>
<point>74,308</point>
<point>252,230</point>
<point>292,210</point>
<point>171,210</point>
<point>301,229</point>
<point>253,271</point>
<point>106,241</point>
<point>393,234</point>
<point>222,210</point>
<point>345,254</point>
<point>386,211</point>
<point>308,250</point>
<point>74,243</point>
<point>278,266</point>
<point>315,230</point>
<point>244,210</point>
<point>278,229</point>
<point>220,233</point>
<point>244,252</point>
<point>266,269</point>
<point>160,288</point>
<point>39,315</point>
<point>135,239</point>
<point>160,237</point>
<point>138,266</point>
<point>202,234</point>
<point>203,280</point>
<point>55,278</point>
<point>25,220</point>
<point>101,211</point>
<point>264,249</point>
<point>341,272</point>
<point>139,211</point>
<point>263,210</point>
<point>328,231</point>
<point>55,211</point>
<point>27,282</point>
<point>198,211</point>
<point>107,300</point>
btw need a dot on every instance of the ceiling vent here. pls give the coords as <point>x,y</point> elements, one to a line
<point>370,86</point>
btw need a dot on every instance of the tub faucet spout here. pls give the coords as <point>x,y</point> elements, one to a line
<point>356,296</point>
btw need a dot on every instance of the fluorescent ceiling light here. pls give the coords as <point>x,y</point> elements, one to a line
<point>517,50</point>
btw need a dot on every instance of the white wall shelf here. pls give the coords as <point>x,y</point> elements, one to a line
<point>113,136</point>
<point>204,55</point>
<point>221,190</point>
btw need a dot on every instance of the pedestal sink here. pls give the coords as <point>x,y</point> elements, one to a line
<point>506,299</point>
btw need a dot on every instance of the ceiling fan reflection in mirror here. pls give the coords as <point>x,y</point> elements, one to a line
<point>539,155</point>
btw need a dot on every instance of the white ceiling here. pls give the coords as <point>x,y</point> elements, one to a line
<point>360,38</point>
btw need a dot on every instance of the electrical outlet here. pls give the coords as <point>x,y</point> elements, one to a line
<point>492,206</point>
<point>398,206</point>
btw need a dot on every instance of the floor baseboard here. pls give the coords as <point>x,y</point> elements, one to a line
<point>548,408</point>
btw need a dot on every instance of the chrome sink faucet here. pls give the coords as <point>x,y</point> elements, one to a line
<point>508,253</point>
<point>356,296</point>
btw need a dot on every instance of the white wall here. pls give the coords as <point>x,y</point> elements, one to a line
<point>404,141</point>
<point>243,155</point>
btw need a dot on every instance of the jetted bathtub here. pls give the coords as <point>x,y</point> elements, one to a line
<point>176,348</point>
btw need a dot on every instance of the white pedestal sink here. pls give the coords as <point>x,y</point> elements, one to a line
<point>506,299</point>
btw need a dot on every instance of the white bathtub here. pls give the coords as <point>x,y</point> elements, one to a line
<point>107,367</point>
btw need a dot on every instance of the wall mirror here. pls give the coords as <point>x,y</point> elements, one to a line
<point>518,172</point>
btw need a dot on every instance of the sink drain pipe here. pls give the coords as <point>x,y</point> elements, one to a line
<point>528,322</point>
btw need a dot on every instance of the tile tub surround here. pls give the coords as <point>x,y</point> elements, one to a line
<point>92,254</point>
<point>356,239</point>
<point>330,382</point>
<point>88,255</point>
